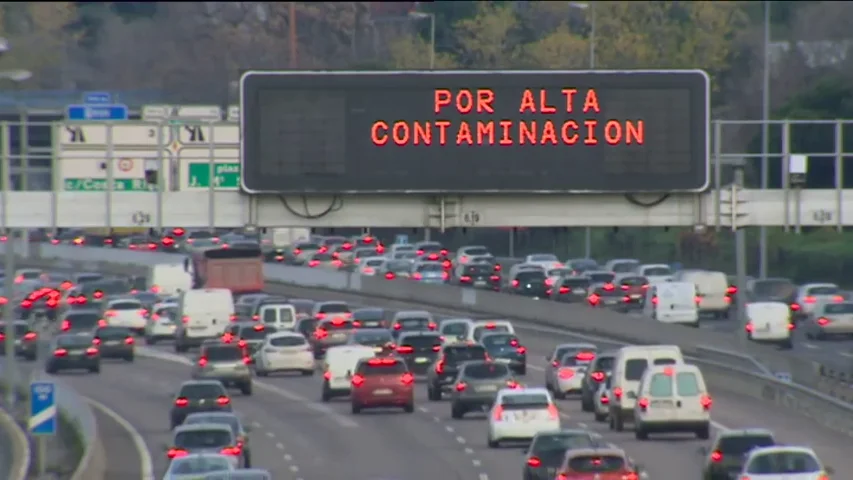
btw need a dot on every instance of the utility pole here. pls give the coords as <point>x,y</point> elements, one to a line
<point>765,137</point>
<point>294,61</point>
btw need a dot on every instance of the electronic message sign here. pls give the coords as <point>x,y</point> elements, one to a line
<point>474,132</point>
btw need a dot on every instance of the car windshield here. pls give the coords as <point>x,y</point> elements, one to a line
<point>113,333</point>
<point>202,390</point>
<point>224,352</point>
<point>838,308</point>
<point>485,371</point>
<point>203,439</point>
<point>596,464</point>
<point>773,288</point>
<point>783,463</point>
<point>126,305</point>
<point>657,271</point>
<point>398,266</point>
<point>823,290</point>
<point>461,354</point>
<point>199,464</point>
<point>373,338</point>
<point>287,341</point>
<point>229,421</point>
<point>82,320</point>
<point>255,333</point>
<point>741,444</point>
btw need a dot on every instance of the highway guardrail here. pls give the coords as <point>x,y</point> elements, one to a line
<point>730,367</point>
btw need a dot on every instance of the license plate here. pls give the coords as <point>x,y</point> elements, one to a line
<point>421,360</point>
<point>611,301</point>
<point>378,349</point>
<point>201,327</point>
<point>662,403</point>
<point>112,342</point>
<point>765,328</point>
<point>502,360</point>
<point>480,283</point>
<point>635,296</point>
<point>339,336</point>
<point>487,388</point>
<point>341,379</point>
<point>17,342</point>
<point>382,391</point>
<point>579,291</point>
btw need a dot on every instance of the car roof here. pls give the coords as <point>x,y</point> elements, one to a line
<point>412,313</point>
<point>420,334</point>
<point>511,392</point>
<point>214,414</point>
<point>285,333</point>
<point>201,382</point>
<point>196,427</point>
<point>579,346</point>
<point>743,432</point>
<point>496,334</point>
<point>480,323</point>
<point>781,449</point>
<point>445,321</point>
<point>582,452</point>
<point>91,311</point>
<point>370,331</point>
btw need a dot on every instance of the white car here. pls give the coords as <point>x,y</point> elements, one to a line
<point>455,330</point>
<point>197,465</point>
<point>601,401</point>
<point>126,312</point>
<point>519,414</point>
<point>784,463</point>
<point>547,261</point>
<point>284,352</point>
<point>655,272</point>
<point>570,372</point>
<point>672,398</point>
<point>161,325</point>
<point>370,266</point>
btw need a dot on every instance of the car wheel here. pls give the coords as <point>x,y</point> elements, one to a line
<point>704,433</point>
<point>559,395</point>
<point>325,396</point>
<point>356,409</point>
<point>150,340</point>
<point>181,348</point>
<point>640,434</point>
<point>307,373</point>
<point>456,412</point>
<point>129,358</point>
<point>586,404</point>
<point>433,395</point>
<point>246,388</point>
<point>261,372</point>
<point>494,443</point>
<point>600,417</point>
<point>95,369</point>
<point>618,422</point>
<point>409,408</point>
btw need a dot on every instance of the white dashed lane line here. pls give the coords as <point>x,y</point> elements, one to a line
<point>288,458</point>
<point>460,440</point>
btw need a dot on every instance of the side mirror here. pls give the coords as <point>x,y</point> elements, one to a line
<point>165,447</point>
<point>702,451</point>
<point>829,470</point>
<point>247,428</point>
<point>639,467</point>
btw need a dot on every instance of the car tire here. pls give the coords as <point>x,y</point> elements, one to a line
<point>261,372</point>
<point>307,373</point>
<point>50,370</point>
<point>704,433</point>
<point>129,358</point>
<point>247,460</point>
<point>31,358</point>
<point>586,404</point>
<point>787,345</point>
<point>618,422</point>
<point>558,394</point>
<point>456,412</point>
<point>95,369</point>
<point>409,407</point>
<point>640,433</point>
<point>522,370</point>
<point>246,388</point>
<point>600,417</point>
<point>325,396</point>
<point>356,409</point>
<point>494,443</point>
<point>150,340</point>
<point>180,347</point>
<point>433,395</point>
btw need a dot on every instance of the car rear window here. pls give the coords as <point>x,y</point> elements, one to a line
<point>455,328</point>
<point>499,340</point>
<point>109,288</point>
<point>477,270</point>
<point>657,271</point>
<point>596,464</point>
<point>322,257</point>
<point>113,332</point>
<point>223,353</point>
<point>634,369</point>
<point>230,421</point>
<point>687,384</point>
<point>604,363</point>
<point>824,290</point>
<point>82,320</point>
<point>741,444</point>
<point>485,371</point>
<point>773,288</point>
<point>601,277</point>
<point>420,341</point>
<point>430,267</point>
<point>530,276</point>
<point>413,323</point>
<point>255,333</point>
<point>624,267</point>
<point>302,306</point>
<point>461,354</point>
<point>783,463</point>
<point>126,305</point>
<point>520,401</point>
<point>561,442</point>
<point>288,341</point>
<point>307,326</point>
<point>203,439</point>
<point>202,390</point>
<point>430,247</point>
<point>481,330</point>
<point>634,281</point>
<point>838,308</point>
<point>382,368</point>
<point>398,266</point>
<point>476,251</point>
<point>362,315</point>
<point>70,341</point>
<point>93,277</point>
<point>337,325</point>
<point>373,338</point>
<point>307,246</point>
<point>334,308</point>
<point>660,385</point>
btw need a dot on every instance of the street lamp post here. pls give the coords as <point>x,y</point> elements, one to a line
<point>431,17</point>
<point>765,137</point>
<point>588,6</point>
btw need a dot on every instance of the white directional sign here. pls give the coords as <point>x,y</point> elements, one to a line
<point>87,135</point>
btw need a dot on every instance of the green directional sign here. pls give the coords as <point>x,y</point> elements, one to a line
<point>226,176</point>
<point>100,185</point>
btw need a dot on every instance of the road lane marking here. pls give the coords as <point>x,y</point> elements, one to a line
<point>279,446</point>
<point>146,466</point>
<point>20,437</point>
<point>460,440</point>
<point>270,434</point>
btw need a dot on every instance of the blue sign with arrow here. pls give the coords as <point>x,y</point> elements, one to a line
<point>97,112</point>
<point>43,419</point>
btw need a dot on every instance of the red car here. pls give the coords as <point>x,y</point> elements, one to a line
<point>598,464</point>
<point>382,382</point>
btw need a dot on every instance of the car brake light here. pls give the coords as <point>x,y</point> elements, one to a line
<point>320,333</point>
<point>609,287</point>
<point>91,351</point>
<point>749,327</point>
<point>585,356</point>
<point>66,285</point>
<point>241,343</point>
<point>247,360</point>
<point>98,294</point>
<point>461,386</point>
<point>655,300</point>
<point>407,378</point>
<point>431,326</point>
<point>176,453</point>
<point>706,402</point>
<point>626,287</point>
<point>30,336</point>
<point>27,304</point>
<point>617,392</point>
<point>593,299</point>
<point>562,476</point>
<point>357,380</point>
<point>822,321</point>
<point>320,316</point>
<point>96,341</point>
<point>129,341</point>
<point>698,299</point>
<point>534,462</point>
<point>223,400</point>
<point>810,299</point>
<point>390,276</point>
<point>439,366</point>
<point>512,384</point>
<point>143,312</point>
<point>643,403</point>
<point>232,451</point>
<point>515,283</point>
<point>495,278</point>
<point>795,306</point>
<point>626,299</point>
<point>837,299</point>
<point>405,349</point>
<point>597,376</point>
<point>398,326</point>
<point>445,275</point>
<point>630,476</point>
<point>327,375</point>
<point>791,326</point>
<point>564,290</point>
<point>185,319</point>
<point>566,373</point>
<point>553,412</point>
<point>716,456</point>
<point>521,350</point>
<point>60,352</point>
<point>555,363</point>
<point>417,276</point>
<point>436,348</point>
<point>498,413</point>
<point>110,313</point>
<point>66,325</point>
<point>605,399</point>
<point>313,263</point>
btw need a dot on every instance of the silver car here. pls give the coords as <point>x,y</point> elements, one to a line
<point>198,465</point>
<point>227,363</point>
<point>210,438</point>
<point>477,385</point>
<point>230,419</point>
<point>830,319</point>
<point>241,474</point>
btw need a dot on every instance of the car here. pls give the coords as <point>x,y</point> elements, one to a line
<point>546,261</point>
<point>597,372</point>
<point>330,333</point>
<point>161,324</point>
<point>529,283</point>
<point>518,414</point>
<point>655,272</point>
<point>633,288</point>
<point>338,368</point>
<point>829,319</point>
<point>419,350</point>
<point>553,359</point>
<point>331,309</point>
<point>771,322</point>
<point>547,450</point>
<point>571,289</point>
<point>464,254</point>
<point>604,295</point>
<point>210,438</point>
<point>26,340</point>
<point>380,339</point>
<point>382,382</point>
<point>394,269</point>
<point>115,342</point>
<point>628,368</point>
<point>82,320</point>
<point>73,351</point>
<point>724,459</point>
<point>275,312</point>
<point>147,299</point>
<point>197,465</point>
<point>455,330</point>
<point>249,336</point>
<point>506,348</point>
<point>784,462</point>
<point>672,398</point>
<point>244,307</point>
<point>226,363</point>
<point>443,372</point>
<point>431,272</point>
<point>241,474</point>
<point>622,265</point>
<point>600,462</point>
<point>306,327</point>
<point>412,321</point>
<point>601,400</point>
<point>369,318</point>
<point>431,251</point>
<point>477,384</point>
<point>126,312</point>
<point>373,266</point>
<point>198,396</point>
<point>482,327</point>
<point>240,431</point>
<point>285,352</point>
<point>567,378</point>
<point>476,275</point>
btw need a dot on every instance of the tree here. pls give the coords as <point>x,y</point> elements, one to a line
<point>489,40</point>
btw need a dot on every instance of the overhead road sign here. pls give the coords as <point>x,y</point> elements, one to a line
<point>97,97</point>
<point>474,132</point>
<point>97,112</point>
<point>43,411</point>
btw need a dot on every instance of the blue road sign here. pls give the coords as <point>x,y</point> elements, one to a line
<point>97,112</point>
<point>401,239</point>
<point>43,412</point>
<point>97,97</point>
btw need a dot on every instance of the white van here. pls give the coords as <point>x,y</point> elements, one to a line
<point>712,289</point>
<point>672,398</point>
<point>628,368</point>
<point>769,322</point>
<point>168,279</point>
<point>482,327</point>
<point>204,314</point>
<point>338,366</point>
<point>281,315</point>
<point>672,302</point>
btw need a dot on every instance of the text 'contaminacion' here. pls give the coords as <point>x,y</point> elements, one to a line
<point>586,131</point>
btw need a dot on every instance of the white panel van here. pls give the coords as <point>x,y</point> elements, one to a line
<point>628,368</point>
<point>672,302</point>
<point>769,322</point>
<point>204,314</point>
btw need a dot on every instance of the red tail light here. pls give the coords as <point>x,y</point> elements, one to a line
<point>202,362</point>
<point>91,351</point>
<point>417,276</point>
<point>643,403</point>
<point>521,350</point>
<point>791,326</point>
<point>407,378</point>
<point>549,282</point>
<point>297,251</point>
<point>313,263</point>
<point>56,242</point>
<point>323,249</point>
<point>181,402</point>
<point>445,275</point>
<point>512,384</point>
<point>439,366</point>
<point>29,336</point>
<point>443,252</point>
<point>66,325</point>
<point>66,285</point>
<point>98,294</point>
<point>176,453</point>
<point>604,399</point>
<point>706,402</point>
<point>390,276</point>
<point>19,279</point>
<point>566,373</point>
<point>810,299</point>
<point>223,400</point>
<point>626,299</point>
<point>498,413</point>
<point>346,246</point>
<point>27,304</point>
<point>731,290</point>
<point>152,246</point>
<point>398,326</point>
<point>168,241</point>
<point>232,451</point>
<point>495,278</point>
<point>320,333</point>
<point>185,319</point>
<point>515,283</point>
<point>327,375</point>
<point>625,288</point>
<point>795,307</point>
<point>698,299</point>
<point>716,456</point>
<point>749,327</point>
<point>436,348</point>
<point>367,270</point>
<point>593,299</point>
<point>597,376</point>
<point>60,352</point>
<point>497,267</point>
<point>110,313</point>
<point>431,326</point>
<point>617,392</point>
<point>102,323</point>
<point>129,341</point>
<point>336,255</point>
<point>609,287</point>
<point>420,252</point>
<point>242,343</point>
<point>461,386</point>
<point>534,462</point>
<point>823,321</point>
<point>178,232</point>
<point>404,349</point>
<point>837,299</point>
<point>96,341</point>
<point>564,290</point>
<point>357,380</point>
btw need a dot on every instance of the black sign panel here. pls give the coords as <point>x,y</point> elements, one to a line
<point>474,132</point>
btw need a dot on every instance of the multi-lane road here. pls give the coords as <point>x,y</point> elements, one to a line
<point>298,437</point>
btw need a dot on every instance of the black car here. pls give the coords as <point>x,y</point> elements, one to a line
<point>547,450</point>
<point>379,339</point>
<point>506,348</point>
<point>478,275</point>
<point>595,375</point>
<point>605,295</point>
<point>724,460</point>
<point>419,350</point>
<point>26,340</point>
<point>444,370</point>
<point>115,342</point>
<point>81,320</point>
<point>369,318</point>
<point>73,352</point>
<point>198,396</point>
<point>529,283</point>
<point>571,289</point>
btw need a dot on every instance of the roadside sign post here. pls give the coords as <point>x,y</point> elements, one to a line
<point>43,418</point>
